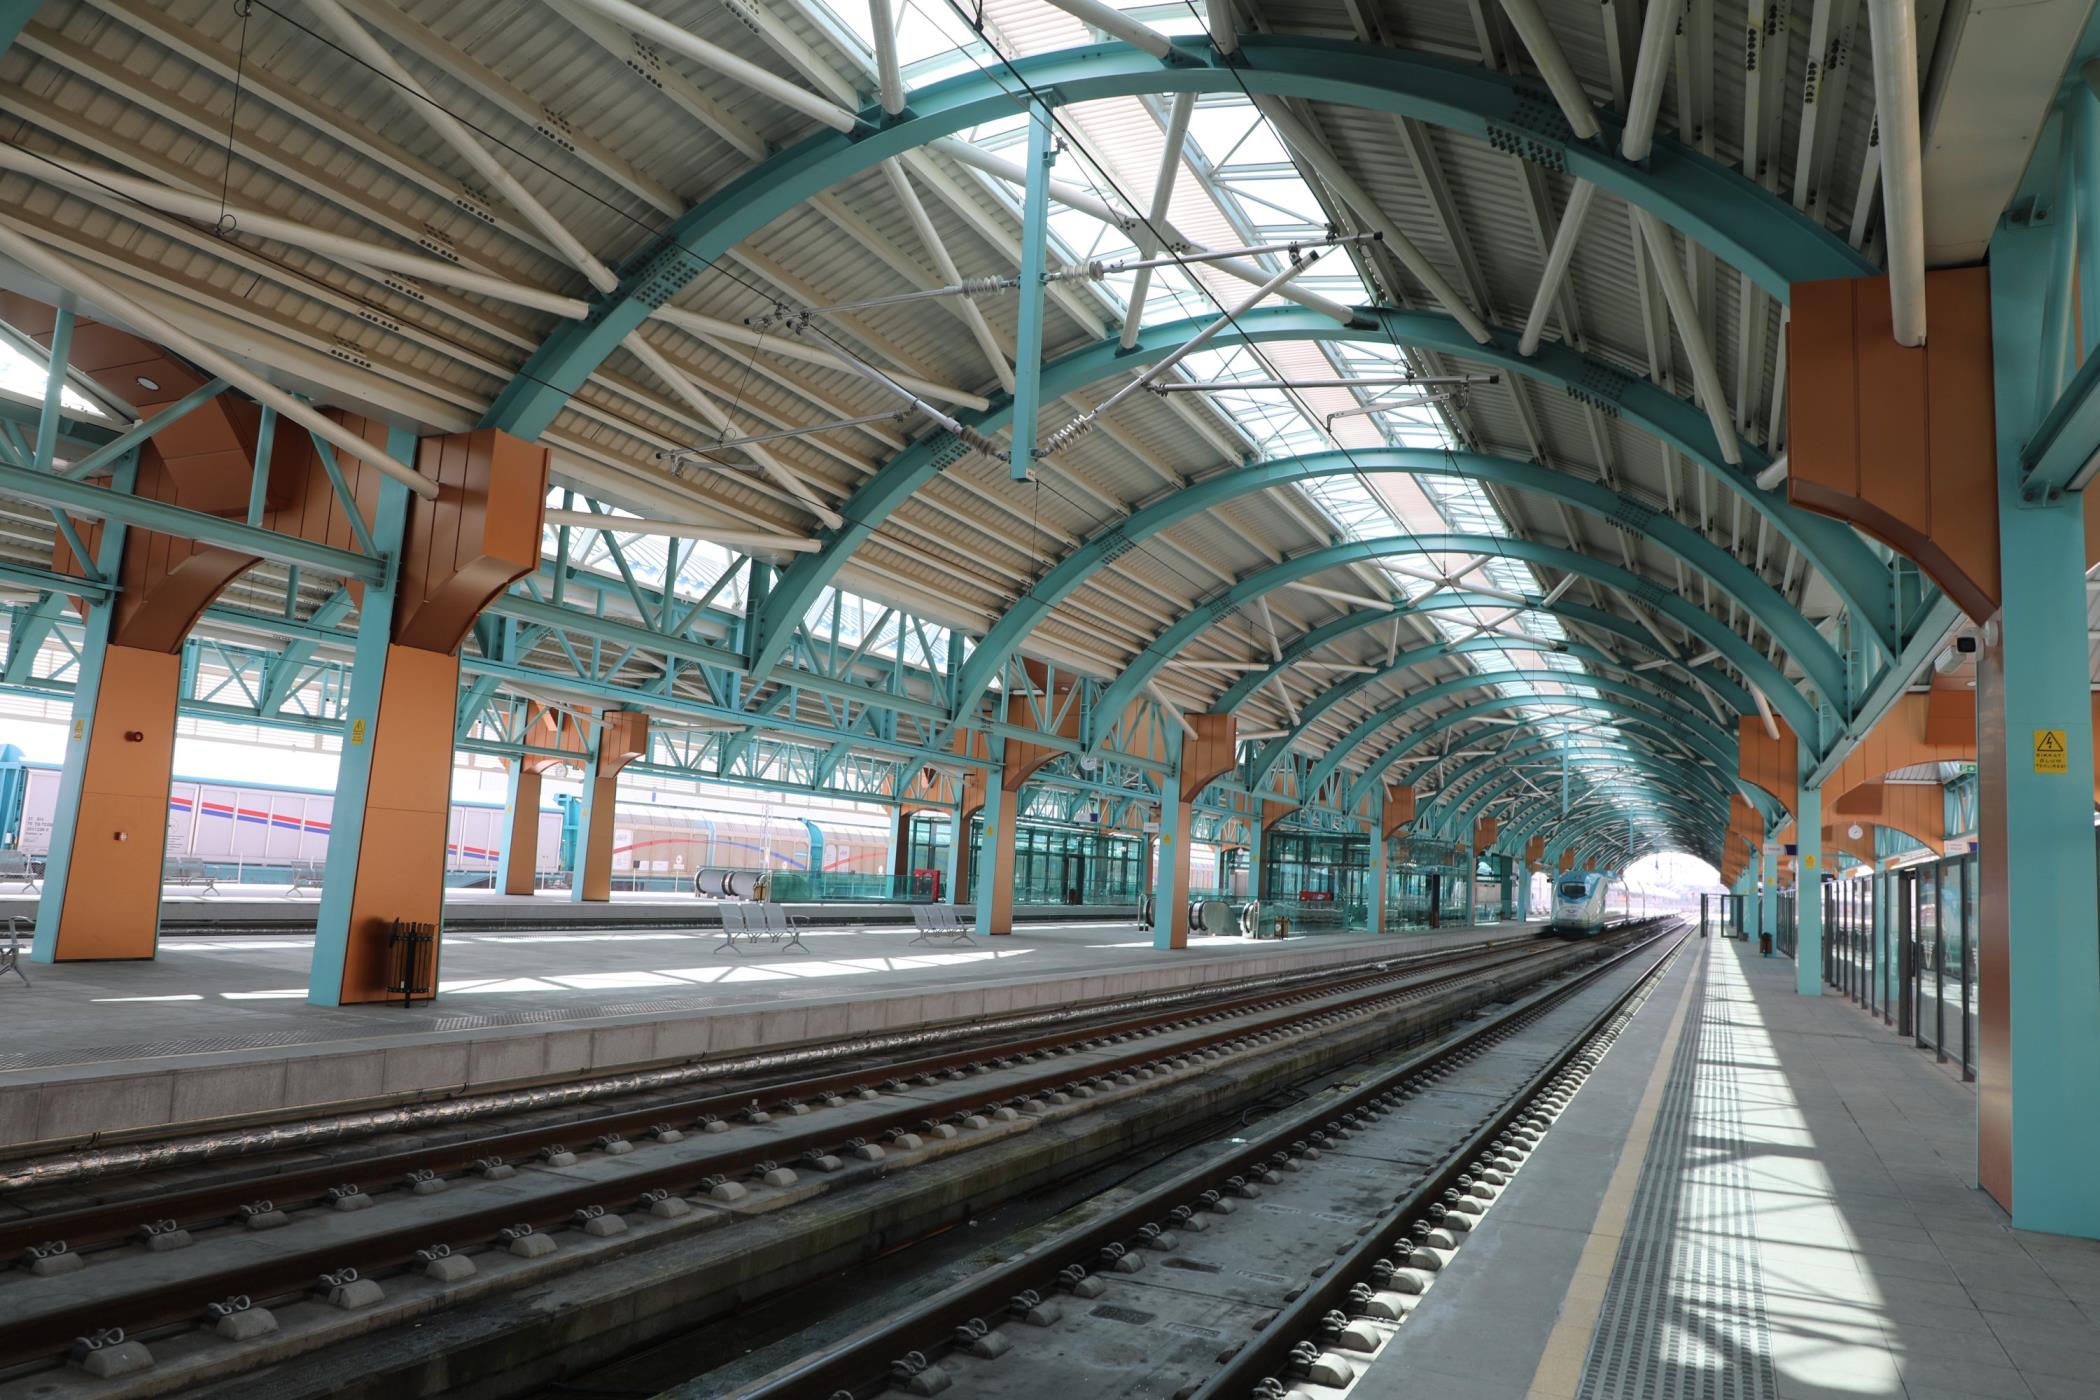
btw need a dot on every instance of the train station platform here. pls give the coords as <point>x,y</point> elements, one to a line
<point>273,907</point>
<point>216,1029</point>
<point>1756,1196</point>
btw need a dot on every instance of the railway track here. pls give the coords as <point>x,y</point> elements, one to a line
<point>171,1267</point>
<point>1270,1271</point>
<point>769,1069</point>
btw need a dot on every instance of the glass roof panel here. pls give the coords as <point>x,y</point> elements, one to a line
<point>1239,186</point>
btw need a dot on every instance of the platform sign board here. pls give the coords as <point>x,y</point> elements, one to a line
<point>2051,755</point>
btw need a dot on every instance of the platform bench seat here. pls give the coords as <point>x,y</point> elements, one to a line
<point>943,923</point>
<point>23,869</point>
<point>306,875</point>
<point>11,950</point>
<point>744,924</point>
<point>189,872</point>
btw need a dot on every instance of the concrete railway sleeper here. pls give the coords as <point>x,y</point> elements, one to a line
<point>161,1153</point>
<point>172,1279</point>
<point>1187,1288</point>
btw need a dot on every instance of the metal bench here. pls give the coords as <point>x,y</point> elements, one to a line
<point>305,877</point>
<point>20,867</point>
<point>189,872</point>
<point>11,954</point>
<point>942,922</point>
<point>759,923</point>
<point>782,926</point>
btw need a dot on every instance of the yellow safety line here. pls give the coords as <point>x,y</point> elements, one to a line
<point>1559,1374</point>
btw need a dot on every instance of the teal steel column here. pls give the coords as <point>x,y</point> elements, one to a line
<point>1884,903</point>
<point>1028,332</point>
<point>1374,871</point>
<point>353,780</point>
<point>1808,888</point>
<point>995,833</point>
<point>1524,894</point>
<point>1768,891</point>
<point>958,872</point>
<point>2035,752</point>
<point>510,809</point>
<point>1472,874</point>
<point>94,643</point>
<point>1254,834</point>
<point>1168,888</point>
<point>54,390</point>
<point>585,802</point>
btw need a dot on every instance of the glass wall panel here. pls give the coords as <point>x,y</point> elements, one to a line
<point>1426,884</point>
<point>1053,863</point>
<point>1317,878</point>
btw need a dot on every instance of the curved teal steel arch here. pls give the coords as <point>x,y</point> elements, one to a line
<point>1709,808</point>
<point>1859,578</point>
<point>1689,716</point>
<point>1603,834</point>
<point>1698,740</point>
<point>1711,632</point>
<point>1581,825</point>
<point>1719,208</point>
<point>1302,646</point>
<point>1706,799</point>
<point>1439,809</point>
<point>1817,658</point>
<point>1273,751</point>
<point>1625,730</point>
<point>1586,829</point>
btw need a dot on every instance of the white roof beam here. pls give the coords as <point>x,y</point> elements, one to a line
<point>114,190</point>
<point>354,37</point>
<point>643,59</point>
<point>713,56</point>
<point>1314,152</point>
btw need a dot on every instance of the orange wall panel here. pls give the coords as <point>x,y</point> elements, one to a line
<point>401,856</point>
<point>1769,763</point>
<point>1210,755</point>
<point>1399,809</point>
<point>1899,442</point>
<point>112,897</point>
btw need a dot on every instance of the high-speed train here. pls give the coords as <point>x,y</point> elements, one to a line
<point>1581,904</point>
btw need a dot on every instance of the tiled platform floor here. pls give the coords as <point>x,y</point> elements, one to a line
<point>1804,1225</point>
<point>218,1026</point>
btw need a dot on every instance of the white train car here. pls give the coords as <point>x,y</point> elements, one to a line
<point>1583,904</point>
<point>276,829</point>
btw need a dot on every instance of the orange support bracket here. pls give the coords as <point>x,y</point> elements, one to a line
<point>1399,811</point>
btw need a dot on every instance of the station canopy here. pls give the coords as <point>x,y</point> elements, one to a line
<point>1419,543</point>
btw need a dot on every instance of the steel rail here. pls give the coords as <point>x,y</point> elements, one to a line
<point>162,1152</point>
<point>29,1334</point>
<point>860,1366</point>
<point>1269,1353</point>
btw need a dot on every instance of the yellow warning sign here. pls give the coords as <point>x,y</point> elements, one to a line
<point>357,731</point>
<point>1809,861</point>
<point>2050,755</point>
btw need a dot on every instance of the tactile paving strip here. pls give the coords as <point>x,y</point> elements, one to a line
<point>1684,1313</point>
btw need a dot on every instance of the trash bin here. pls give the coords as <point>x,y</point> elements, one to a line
<point>1764,944</point>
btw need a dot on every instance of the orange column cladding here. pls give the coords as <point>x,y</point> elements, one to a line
<point>623,737</point>
<point>459,552</point>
